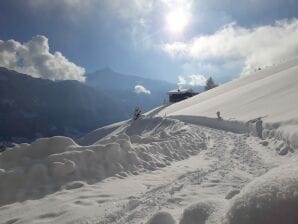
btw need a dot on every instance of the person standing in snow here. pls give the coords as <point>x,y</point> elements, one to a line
<point>259,128</point>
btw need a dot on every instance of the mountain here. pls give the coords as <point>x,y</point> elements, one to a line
<point>33,107</point>
<point>122,87</point>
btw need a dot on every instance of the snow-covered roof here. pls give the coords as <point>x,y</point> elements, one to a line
<point>177,91</point>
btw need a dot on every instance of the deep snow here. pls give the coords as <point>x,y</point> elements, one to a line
<point>178,164</point>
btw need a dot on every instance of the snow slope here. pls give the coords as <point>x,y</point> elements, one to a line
<point>178,164</point>
<point>271,93</point>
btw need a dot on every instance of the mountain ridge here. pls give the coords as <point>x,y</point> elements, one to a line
<point>35,107</point>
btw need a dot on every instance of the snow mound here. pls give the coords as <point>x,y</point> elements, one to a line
<point>162,218</point>
<point>50,164</point>
<point>270,199</point>
<point>288,133</point>
<point>203,212</point>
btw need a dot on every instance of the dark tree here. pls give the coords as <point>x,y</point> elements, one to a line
<point>210,84</point>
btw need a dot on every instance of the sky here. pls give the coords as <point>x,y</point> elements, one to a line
<point>180,41</point>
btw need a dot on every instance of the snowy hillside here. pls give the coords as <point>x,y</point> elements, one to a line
<point>178,164</point>
<point>270,93</point>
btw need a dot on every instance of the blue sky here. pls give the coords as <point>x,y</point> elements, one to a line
<point>175,40</point>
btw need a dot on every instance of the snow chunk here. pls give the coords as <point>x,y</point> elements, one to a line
<point>270,199</point>
<point>289,133</point>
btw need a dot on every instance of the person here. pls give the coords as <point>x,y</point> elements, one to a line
<point>259,128</point>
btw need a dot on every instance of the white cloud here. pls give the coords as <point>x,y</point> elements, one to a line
<point>34,58</point>
<point>256,47</point>
<point>197,80</point>
<point>192,80</point>
<point>141,89</point>
<point>181,81</point>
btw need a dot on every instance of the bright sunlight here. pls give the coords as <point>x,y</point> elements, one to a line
<point>177,20</point>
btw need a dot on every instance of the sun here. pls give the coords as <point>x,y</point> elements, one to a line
<point>177,20</point>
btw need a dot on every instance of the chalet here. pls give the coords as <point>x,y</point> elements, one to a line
<point>177,95</point>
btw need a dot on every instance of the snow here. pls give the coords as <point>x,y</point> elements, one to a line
<point>177,164</point>
<point>272,198</point>
<point>270,93</point>
<point>202,212</point>
<point>162,218</point>
<point>32,171</point>
<point>175,91</point>
<point>98,134</point>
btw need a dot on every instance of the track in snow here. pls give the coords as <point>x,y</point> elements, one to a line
<point>234,162</point>
<point>229,162</point>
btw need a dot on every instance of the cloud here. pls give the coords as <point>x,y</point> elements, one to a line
<point>181,81</point>
<point>256,47</point>
<point>34,58</point>
<point>66,5</point>
<point>141,89</point>
<point>197,80</point>
<point>192,80</point>
<point>112,8</point>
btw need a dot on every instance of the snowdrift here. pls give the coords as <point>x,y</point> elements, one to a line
<point>49,164</point>
<point>202,212</point>
<point>270,199</point>
<point>270,93</point>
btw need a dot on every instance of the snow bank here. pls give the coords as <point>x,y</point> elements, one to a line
<point>270,199</point>
<point>227,125</point>
<point>49,164</point>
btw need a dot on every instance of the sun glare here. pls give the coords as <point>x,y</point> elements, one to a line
<point>176,20</point>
